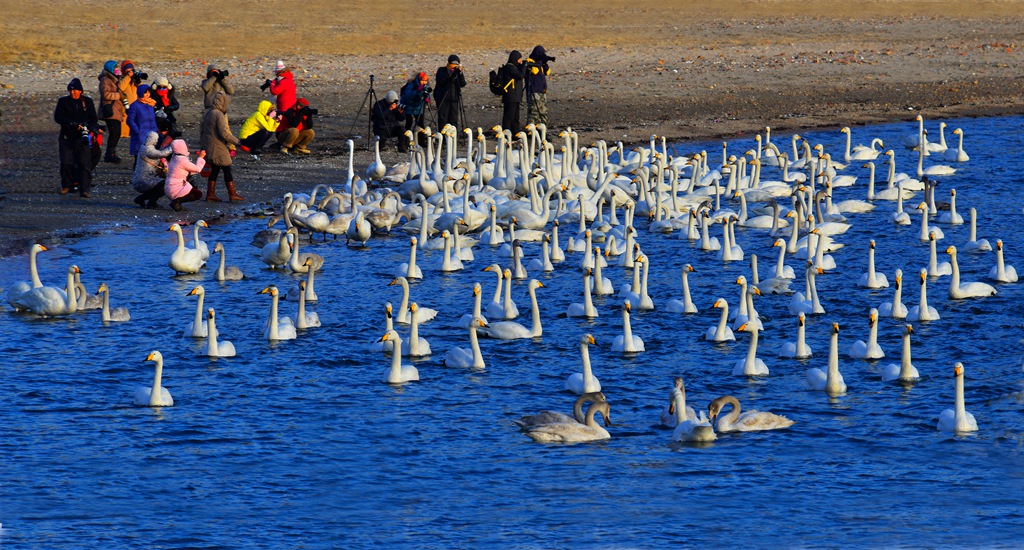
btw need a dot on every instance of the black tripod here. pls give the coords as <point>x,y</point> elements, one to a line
<point>460,121</point>
<point>370,96</point>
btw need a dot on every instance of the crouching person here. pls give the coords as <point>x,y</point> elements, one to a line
<point>257,129</point>
<point>150,171</point>
<point>177,187</point>
<point>296,129</point>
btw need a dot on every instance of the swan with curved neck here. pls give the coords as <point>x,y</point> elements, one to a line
<point>958,290</point>
<point>574,432</point>
<point>831,380</point>
<point>156,395</point>
<point>552,417</point>
<point>510,330</point>
<point>739,421</point>
<point>905,371</point>
<point>584,382</point>
<point>957,420</point>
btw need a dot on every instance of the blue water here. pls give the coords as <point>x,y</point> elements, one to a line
<point>299,444</point>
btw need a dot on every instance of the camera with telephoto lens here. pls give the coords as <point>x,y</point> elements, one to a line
<point>427,90</point>
<point>142,76</point>
<point>85,135</point>
<point>309,111</point>
<point>223,73</point>
<point>265,85</point>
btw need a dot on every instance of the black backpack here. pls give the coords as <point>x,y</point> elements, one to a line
<point>494,82</point>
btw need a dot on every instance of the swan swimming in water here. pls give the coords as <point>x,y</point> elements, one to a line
<point>574,432</point>
<point>48,301</point>
<point>868,350</point>
<point>895,308</point>
<point>197,243</point>
<point>16,290</point>
<point>471,358</point>
<point>398,373</point>
<point>1001,272</point>
<point>677,405</point>
<point>226,273</point>
<point>119,314</point>
<point>751,365</point>
<point>627,342</point>
<point>277,328</point>
<point>957,419</point>
<point>511,330</point>
<point>197,327</point>
<point>552,417</point>
<point>156,395</point>
<point>905,371</point>
<point>958,290</point>
<point>720,332</point>
<point>184,260</point>
<point>749,421</point>
<point>871,279</point>
<point>798,349</point>
<point>922,311</point>
<point>685,305</point>
<point>689,428</point>
<point>213,347</point>
<point>584,382</point>
<point>425,313</point>
<point>831,380</point>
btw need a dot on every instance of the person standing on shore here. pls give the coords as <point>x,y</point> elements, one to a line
<point>218,141</point>
<point>215,81</point>
<point>449,82</point>
<point>512,74</point>
<point>415,97</point>
<point>163,94</point>
<point>537,72</point>
<point>283,86</point>
<point>176,186</point>
<point>128,83</point>
<point>112,107</point>
<point>79,127</point>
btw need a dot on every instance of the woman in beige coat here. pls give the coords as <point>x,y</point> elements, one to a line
<point>112,104</point>
<point>219,143</point>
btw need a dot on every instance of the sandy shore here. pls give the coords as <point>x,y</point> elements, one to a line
<point>738,76</point>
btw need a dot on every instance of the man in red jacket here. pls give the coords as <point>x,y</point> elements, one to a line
<point>296,129</point>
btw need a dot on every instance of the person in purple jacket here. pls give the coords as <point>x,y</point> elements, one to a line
<point>141,119</point>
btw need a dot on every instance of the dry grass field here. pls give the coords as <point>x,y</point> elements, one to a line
<point>80,30</point>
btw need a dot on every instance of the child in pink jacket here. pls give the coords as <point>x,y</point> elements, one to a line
<point>175,186</point>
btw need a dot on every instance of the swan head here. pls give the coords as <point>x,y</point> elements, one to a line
<point>871,244</point>
<point>197,291</point>
<point>209,313</point>
<point>999,244</point>
<point>931,235</point>
<point>535,284</point>
<point>476,290</point>
<point>923,274</point>
<point>387,310</point>
<point>218,247</point>
<point>102,288</point>
<point>155,356</point>
<point>899,277</point>
<point>922,206</point>
<point>952,192</point>
<point>626,306</point>
<point>720,303</point>
<point>302,285</point>
<point>413,308</point>
<point>873,317</point>
<point>494,268</point>
<point>507,273</point>
<point>479,322</point>
<point>74,270</point>
<point>389,335</point>
<point>38,248</point>
<point>958,131</point>
<point>919,118</point>
<point>605,409</point>
<point>845,130</point>
<point>414,240</point>
<point>715,407</point>
<point>951,250</point>
<point>800,319</point>
<point>743,327</point>
<point>908,329</point>
<point>689,268</point>
<point>174,227</point>
<point>958,369</point>
<point>202,223</point>
<point>741,280</point>
<point>835,328</point>
<point>271,290</point>
<point>588,339</point>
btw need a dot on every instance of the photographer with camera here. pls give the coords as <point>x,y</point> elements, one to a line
<point>448,93</point>
<point>415,96</point>
<point>296,129</point>
<point>257,129</point>
<point>163,94</point>
<point>283,86</point>
<point>216,81</point>
<point>512,74</point>
<point>112,108</point>
<point>387,119</point>
<point>79,135</point>
<point>537,72</point>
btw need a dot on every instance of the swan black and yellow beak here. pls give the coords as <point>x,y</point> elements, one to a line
<point>384,338</point>
<point>152,355</point>
<point>835,328</point>
<point>590,340</point>
<point>958,370</point>
<point>743,327</point>
<point>910,329</point>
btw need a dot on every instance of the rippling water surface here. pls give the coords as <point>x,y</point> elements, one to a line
<point>299,444</point>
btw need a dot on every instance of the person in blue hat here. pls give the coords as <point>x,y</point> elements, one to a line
<point>141,119</point>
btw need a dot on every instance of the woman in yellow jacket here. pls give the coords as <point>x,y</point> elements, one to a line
<point>259,127</point>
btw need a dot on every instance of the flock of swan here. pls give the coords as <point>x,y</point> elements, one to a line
<point>573,208</point>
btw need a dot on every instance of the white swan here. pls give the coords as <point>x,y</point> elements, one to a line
<point>585,308</point>
<point>926,230</point>
<point>574,432</point>
<point>213,347</point>
<point>425,313</point>
<point>809,305</point>
<point>303,319</point>
<point>197,327</point>
<point>933,170</point>
<point>973,243</point>
<point>471,358</point>
<point>198,244</point>
<point>21,287</point>
<point>377,168</point>
<point>297,262</point>
<point>584,382</point>
<point>895,308</point>
<point>957,419</point>
<point>277,253</point>
<point>677,409</point>
<point>528,421</point>
<point>798,349</point>
<point>685,305</point>
<point>958,154</point>
<point>511,330</point>
<point>751,365</point>
<point>309,294</point>
<point>689,428</point>
<point>935,268</point>
<point>277,328</point>
<point>627,342</point>
<point>831,380</point>
<point>184,260</point>
<point>415,346</point>
<point>951,217</point>
<point>737,421</point>
<point>229,273</point>
<point>359,231</point>
<point>905,371</point>
<point>377,344</point>
<point>398,373</point>
<point>48,301</point>
<point>872,279</point>
<point>922,311</point>
<point>958,290</point>
<point>1001,272</point>
<point>870,349</point>
<point>720,332</point>
<point>119,314</point>
<point>157,395</point>
<point>467,319</point>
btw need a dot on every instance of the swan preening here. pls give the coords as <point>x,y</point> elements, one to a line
<point>574,432</point>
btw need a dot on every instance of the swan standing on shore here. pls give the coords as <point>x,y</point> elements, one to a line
<point>737,421</point>
<point>157,395</point>
<point>119,314</point>
<point>905,371</point>
<point>831,380</point>
<point>957,419</point>
<point>584,382</point>
<point>213,347</point>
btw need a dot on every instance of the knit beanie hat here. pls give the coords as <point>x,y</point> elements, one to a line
<point>161,81</point>
<point>209,69</point>
<point>302,102</point>
<point>75,84</point>
<point>127,64</point>
<point>453,59</point>
<point>279,66</point>
<point>142,89</point>
<point>110,66</point>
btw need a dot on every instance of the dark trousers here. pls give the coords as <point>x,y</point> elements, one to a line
<point>510,118</point>
<point>395,132</point>
<point>150,196</point>
<point>448,112</point>
<point>215,171</point>
<point>411,119</point>
<point>75,163</point>
<point>113,136</point>
<point>256,141</point>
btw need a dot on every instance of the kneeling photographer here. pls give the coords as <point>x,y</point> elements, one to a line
<point>296,129</point>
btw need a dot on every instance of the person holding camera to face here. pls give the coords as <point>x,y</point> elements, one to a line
<point>128,83</point>
<point>79,132</point>
<point>512,74</point>
<point>448,92</point>
<point>166,104</point>
<point>537,71</point>
<point>112,107</point>
<point>216,81</point>
<point>415,97</point>
<point>257,129</point>
<point>387,118</point>
<point>283,86</point>
<point>296,129</point>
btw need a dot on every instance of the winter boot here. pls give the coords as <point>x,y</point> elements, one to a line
<point>211,191</point>
<point>232,194</point>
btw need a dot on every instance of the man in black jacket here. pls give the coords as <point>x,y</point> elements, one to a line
<point>79,130</point>
<point>537,71</point>
<point>387,117</point>
<point>512,74</point>
<point>448,84</point>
